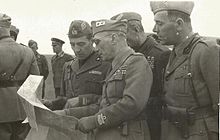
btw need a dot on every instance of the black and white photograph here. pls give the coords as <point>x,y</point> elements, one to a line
<point>109,69</point>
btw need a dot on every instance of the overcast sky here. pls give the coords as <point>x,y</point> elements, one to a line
<point>42,19</point>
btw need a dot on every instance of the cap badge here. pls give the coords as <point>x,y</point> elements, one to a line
<point>83,26</point>
<point>74,31</point>
<point>99,23</point>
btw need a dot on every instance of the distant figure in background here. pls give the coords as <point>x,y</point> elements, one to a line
<point>41,62</point>
<point>16,63</point>
<point>14,32</point>
<point>57,63</point>
<point>153,52</point>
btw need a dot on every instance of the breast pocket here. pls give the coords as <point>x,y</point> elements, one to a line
<point>116,85</point>
<point>94,85</point>
<point>182,81</point>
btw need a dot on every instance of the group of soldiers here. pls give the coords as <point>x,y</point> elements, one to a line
<point>122,83</point>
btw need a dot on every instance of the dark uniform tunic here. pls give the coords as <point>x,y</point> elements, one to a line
<point>125,94</point>
<point>13,55</point>
<point>43,68</point>
<point>192,89</point>
<point>57,62</point>
<point>83,80</point>
<point>157,57</point>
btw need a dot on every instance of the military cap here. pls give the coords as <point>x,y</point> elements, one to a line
<point>31,42</point>
<point>79,28</point>
<point>109,25</point>
<point>57,41</point>
<point>5,21</point>
<point>14,29</point>
<point>181,6</point>
<point>130,16</point>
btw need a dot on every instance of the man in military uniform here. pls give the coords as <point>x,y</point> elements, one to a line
<point>126,88</point>
<point>191,82</point>
<point>14,32</point>
<point>83,77</point>
<point>153,52</point>
<point>57,62</point>
<point>41,62</point>
<point>16,63</point>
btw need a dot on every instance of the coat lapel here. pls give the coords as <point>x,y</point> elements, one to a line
<point>172,66</point>
<point>75,66</point>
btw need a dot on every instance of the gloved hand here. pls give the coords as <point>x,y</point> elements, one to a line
<point>60,112</point>
<point>86,124</point>
<point>47,103</point>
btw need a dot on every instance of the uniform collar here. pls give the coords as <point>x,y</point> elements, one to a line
<point>60,54</point>
<point>179,50</point>
<point>124,53</point>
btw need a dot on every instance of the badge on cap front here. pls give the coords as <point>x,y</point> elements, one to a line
<point>83,26</point>
<point>99,23</point>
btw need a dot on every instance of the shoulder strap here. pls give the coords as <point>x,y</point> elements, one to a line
<point>12,76</point>
<point>110,74</point>
<point>193,45</point>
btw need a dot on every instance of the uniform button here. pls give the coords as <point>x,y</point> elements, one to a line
<point>77,77</point>
<point>200,131</point>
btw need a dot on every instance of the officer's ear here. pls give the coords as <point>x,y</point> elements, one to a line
<point>114,38</point>
<point>179,24</point>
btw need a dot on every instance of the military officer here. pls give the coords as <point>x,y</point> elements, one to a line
<point>16,63</point>
<point>126,88</point>
<point>153,52</point>
<point>191,82</point>
<point>83,77</point>
<point>41,62</point>
<point>14,32</point>
<point>57,62</point>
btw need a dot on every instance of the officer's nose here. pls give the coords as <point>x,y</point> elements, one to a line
<point>155,29</point>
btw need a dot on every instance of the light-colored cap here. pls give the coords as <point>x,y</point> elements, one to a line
<point>182,6</point>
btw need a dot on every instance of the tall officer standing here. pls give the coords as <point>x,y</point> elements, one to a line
<point>157,56</point>
<point>57,62</point>
<point>16,63</point>
<point>191,82</point>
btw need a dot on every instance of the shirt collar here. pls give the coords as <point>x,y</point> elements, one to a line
<point>180,48</point>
